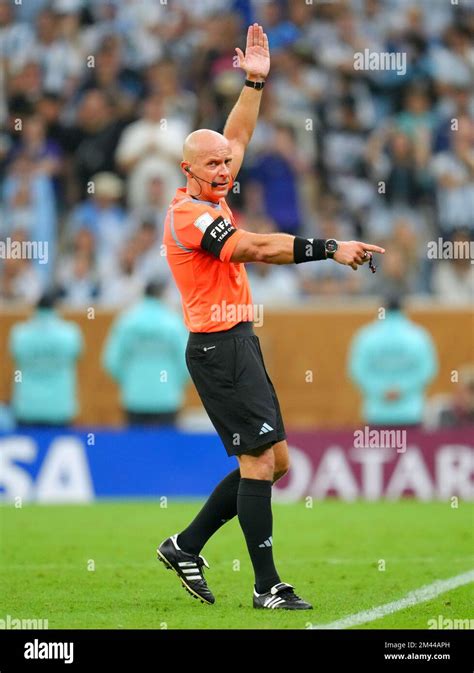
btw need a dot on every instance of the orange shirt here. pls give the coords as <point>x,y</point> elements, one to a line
<point>200,237</point>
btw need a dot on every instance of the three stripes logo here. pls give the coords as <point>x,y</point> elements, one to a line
<point>265,428</point>
<point>267,543</point>
<point>190,569</point>
<point>273,601</point>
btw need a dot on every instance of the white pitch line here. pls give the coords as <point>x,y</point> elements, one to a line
<point>391,559</point>
<point>421,595</point>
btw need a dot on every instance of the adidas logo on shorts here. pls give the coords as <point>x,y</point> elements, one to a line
<point>265,428</point>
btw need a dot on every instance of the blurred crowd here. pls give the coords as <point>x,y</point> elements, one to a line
<point>97,96</point>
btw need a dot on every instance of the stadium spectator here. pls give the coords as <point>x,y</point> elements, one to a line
<point>103,216</point>
<point>343,37</point>
<point>392,361</point>
<point>44,152</point>
<point>276,171</point>
<point>342,154</point>
<point>417,115</point>
<point>93,141</point>
<point>20,282</point>
<point>178,103</point>
<point>70,29</point>
<point>45,350</point>
<point>144,353</point>
<point>297,87</point>
<point>154,206</point>
<point>452,59</point>
<point>457,103</point>
<point>120,283</point>
<point>30,205</point>
<point>120,84</point>
<point>14,35</point>
<point>50,108</point>
<point>78,285</point>
<point>151,261</point>
<point>280,31</point>
<point>150,147</point>
<point>458,409</point>
<point>453,279</point>
<point>77,275</point>
<point>453,171</point>
<point>214,59</point>
<point>24,87</point>
<point>401,164</point>
<point>61,65</point>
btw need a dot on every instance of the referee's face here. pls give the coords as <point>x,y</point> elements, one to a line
<point>214,165</point>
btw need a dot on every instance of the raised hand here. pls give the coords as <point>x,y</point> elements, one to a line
<point>256,60</point>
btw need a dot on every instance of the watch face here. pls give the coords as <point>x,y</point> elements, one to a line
<point>331,245</point>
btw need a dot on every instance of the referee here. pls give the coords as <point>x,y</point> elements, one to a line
<point>206,254</point>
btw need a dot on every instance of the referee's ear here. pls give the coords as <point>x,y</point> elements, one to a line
<point>186,168</point>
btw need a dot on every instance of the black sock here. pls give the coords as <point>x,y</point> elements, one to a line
<point>254,508</point>
<point>219,508</point>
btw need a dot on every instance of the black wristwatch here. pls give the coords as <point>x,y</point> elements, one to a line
<point>331,248</point>
<point>254,85</point>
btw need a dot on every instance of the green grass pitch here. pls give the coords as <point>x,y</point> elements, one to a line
<point>94,566</point>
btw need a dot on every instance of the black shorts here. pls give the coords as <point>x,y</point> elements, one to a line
<point>228,371</point>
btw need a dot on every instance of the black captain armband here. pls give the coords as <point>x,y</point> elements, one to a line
<point>308,249</point>
<point>216,235</point>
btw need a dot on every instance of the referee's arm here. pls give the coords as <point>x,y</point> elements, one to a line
<point>241,122</point>
<point>288,249</point>
<point>273,248</point>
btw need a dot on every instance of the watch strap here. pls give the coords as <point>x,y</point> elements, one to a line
<point>254,85</point>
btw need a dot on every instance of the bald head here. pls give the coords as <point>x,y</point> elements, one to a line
<point>202,143</point>
<point>207,159</point>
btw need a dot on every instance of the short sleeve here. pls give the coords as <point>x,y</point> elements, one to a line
<point>188,223</point>
<point>199,226</point>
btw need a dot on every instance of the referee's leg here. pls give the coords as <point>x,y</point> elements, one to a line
<point>258,471</point>
<point>221,505</point>
<point>282,460</point>
<point>271,463</point>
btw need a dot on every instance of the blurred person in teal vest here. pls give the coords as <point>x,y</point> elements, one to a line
<point>392,361</point>
<point>45,350</point>
<point>144,353</point>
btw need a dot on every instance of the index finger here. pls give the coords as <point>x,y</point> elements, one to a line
<point>373,248</point>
